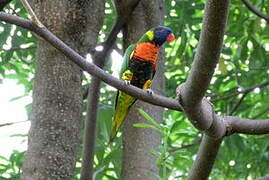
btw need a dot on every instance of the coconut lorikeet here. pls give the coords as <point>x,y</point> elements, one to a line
<point>138,69</point>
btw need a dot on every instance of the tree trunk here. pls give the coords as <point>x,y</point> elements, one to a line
<point>57,97</point>
<point>139,142</point>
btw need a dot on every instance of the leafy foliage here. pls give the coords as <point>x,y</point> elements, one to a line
<point>10,168</point>
<point>244,63</point>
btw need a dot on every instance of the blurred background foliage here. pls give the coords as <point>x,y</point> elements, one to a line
<point>239,87</point>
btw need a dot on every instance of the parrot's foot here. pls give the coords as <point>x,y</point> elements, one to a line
<point>150,91</point>
<point>127,82</point>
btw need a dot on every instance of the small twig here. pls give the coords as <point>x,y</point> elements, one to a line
<point>185,146</point>
<point>8,124</point>
<point>255,10</point>
<point>239,103</point>
<point>261,113</point>
<point>262,85</point>
<point>31,12</point>
<point>98,171</point>
<point>259,68</point>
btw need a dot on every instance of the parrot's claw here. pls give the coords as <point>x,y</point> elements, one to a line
<point>150,91</point>
<point>127,82</point>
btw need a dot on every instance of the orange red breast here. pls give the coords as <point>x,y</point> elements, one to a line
<point>147,51</point>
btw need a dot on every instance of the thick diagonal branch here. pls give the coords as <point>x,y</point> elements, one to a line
<point>90,67</point>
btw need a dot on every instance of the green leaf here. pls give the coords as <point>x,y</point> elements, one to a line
<point>150,119</point>
<point>144,125</point>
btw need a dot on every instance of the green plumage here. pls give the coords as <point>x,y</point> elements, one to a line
<point>123,100</point>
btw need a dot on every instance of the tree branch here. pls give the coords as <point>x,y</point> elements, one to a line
<point>12,123</point>
<point>90,67</point>
<point>239,103</point>
<point>246,90</point>
<point>263,178</point>
<point>205,159</point>
<point>90,130</point>
<point>246,126</point>
<point>255,10</point>
<point>31,13</point>
<point>190,95</point>
<point>261,113</point>
<point>185,146</point>
<point>3,4</point>
<point>100,57</point>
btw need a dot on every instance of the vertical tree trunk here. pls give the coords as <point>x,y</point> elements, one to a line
<point>139,142</point>
<point>57,97</point>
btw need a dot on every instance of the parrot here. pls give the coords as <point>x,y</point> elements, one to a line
<point>138,69</point>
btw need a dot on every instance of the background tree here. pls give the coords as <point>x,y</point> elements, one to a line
<point>238,84</point>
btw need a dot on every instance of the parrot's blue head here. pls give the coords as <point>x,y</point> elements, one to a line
<point>160,34</point>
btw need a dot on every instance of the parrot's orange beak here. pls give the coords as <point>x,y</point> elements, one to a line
<point>170,37</point>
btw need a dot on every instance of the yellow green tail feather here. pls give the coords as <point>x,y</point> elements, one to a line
<point>124,103</point>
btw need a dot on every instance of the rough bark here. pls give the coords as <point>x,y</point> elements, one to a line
<point>57,97</point>
<point>139,142</point>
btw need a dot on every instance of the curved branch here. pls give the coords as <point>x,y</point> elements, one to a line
<point>255,10</point>
<point>191,94</point>
<point>246,126</point>
<point>90,67</point>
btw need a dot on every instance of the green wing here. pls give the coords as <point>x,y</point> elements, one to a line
<point>123,101</point>
<point>126,58</point>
